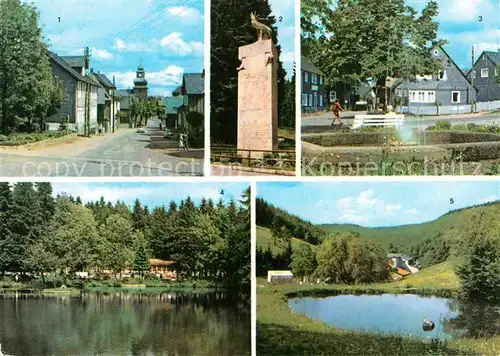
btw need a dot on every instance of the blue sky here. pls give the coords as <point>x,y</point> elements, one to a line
<point>376,203</point>
<point>460,25</point>
<point>151,194</point>
<point>165,35</point>
<point>284,11</point>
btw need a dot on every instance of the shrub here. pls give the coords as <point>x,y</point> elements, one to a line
<point>443,125</point>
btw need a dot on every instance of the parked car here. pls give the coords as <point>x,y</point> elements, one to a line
<point>141,129</point>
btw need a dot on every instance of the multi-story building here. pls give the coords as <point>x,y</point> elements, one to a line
<point>314,96</point>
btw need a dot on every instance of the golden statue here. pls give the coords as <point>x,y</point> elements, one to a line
<point>262,30</point>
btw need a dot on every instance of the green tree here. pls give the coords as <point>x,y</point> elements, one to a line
<point>230,29</point>
<point>6,252</point>
<point>76,241</point>
<point>119,238</point>
<point>141,260</point>
<point>139,216</point>
<point>25,72</point>
<point>354,42</point>
<point>345,258</point>
<point>303,261</point>
<point>480,272</point>
<point>287,110</point>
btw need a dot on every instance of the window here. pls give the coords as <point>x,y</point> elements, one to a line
<point>455,97</point>
<point>306,77</point>
<point>422,96</point>
<point>321,100</point>
<point>315,99</point>
<point>320,80</point>
<point>304,99</point>
<point>310,100</point>
<point>484,57</point>
<point>485,72</point>
<point>314,78</point>
<point>474,74</point>
<point>436,52</point>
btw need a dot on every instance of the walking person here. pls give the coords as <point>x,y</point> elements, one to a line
<point>181,142</point>
<point>336,108</point>
<point>186,142</point>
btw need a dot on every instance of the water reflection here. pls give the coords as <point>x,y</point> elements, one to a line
<point>473,320</point>
<point>125,324</point>
<point>403,314</point>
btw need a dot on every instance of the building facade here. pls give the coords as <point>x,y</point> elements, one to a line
<point>314,96</point>
<point>193,100</point>
<point>449,88</point>
<point>485,75</point>
<point>81,104</point>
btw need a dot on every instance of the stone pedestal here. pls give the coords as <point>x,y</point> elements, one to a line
<point>258,98</point>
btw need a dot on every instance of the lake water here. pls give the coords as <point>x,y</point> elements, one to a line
<point>125,324</point>
<point>402,314</point>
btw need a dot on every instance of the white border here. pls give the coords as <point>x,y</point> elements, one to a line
<point>253,253</point>
<point>206,52</point>
<point>298,93</point>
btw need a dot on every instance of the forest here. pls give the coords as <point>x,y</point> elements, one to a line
<point>45,235</point>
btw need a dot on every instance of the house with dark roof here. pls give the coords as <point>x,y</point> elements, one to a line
<point>485,74</point>
<point>82,97</point>
<point>172,105</point>
<point>193,93</point>
<point>313,87</point>
<point>446,92</point>
<point>108,103</point>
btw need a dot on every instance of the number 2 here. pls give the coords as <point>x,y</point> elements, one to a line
<point>280,19</point>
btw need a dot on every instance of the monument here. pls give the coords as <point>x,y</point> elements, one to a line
<point>258,93</point>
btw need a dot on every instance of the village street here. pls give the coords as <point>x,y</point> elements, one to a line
<point>325,119</point>
<point>124,153</point>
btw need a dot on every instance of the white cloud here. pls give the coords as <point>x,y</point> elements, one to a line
<point>188,15</point>
<point>489,199</point>
<point>463,11</point>
<point>288,57</point>
<point>169,76</point>
<point>174,43</point>
<point>393,208</point>
<point>366,199</point>
<point>101,54</point>
<point>412,211</point>
<point>345,203</point>
<point>121,45</point>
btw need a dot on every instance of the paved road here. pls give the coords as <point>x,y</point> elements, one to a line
<point>126,153</point>
<point>325,119</point>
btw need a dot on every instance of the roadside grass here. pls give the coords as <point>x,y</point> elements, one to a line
<point>18,139</point>
<point>280,331</point>
<point>265,240</point>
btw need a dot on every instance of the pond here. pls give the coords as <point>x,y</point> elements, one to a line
<point>402,314</point>
<point>125,324</point>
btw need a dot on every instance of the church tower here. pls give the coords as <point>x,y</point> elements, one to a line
<point>140,83</point>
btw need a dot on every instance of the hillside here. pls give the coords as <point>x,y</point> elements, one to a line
<point>407,236</point>
<point>265,240</point>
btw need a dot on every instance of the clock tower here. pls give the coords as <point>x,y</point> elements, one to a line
<point>140,83</point>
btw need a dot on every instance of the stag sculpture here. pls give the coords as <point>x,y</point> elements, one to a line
<point>263,31</point>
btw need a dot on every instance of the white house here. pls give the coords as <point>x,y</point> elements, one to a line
<point>404,262</point>
<point>275,277</point>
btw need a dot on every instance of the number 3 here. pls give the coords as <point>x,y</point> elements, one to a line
<point>480,19</point>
